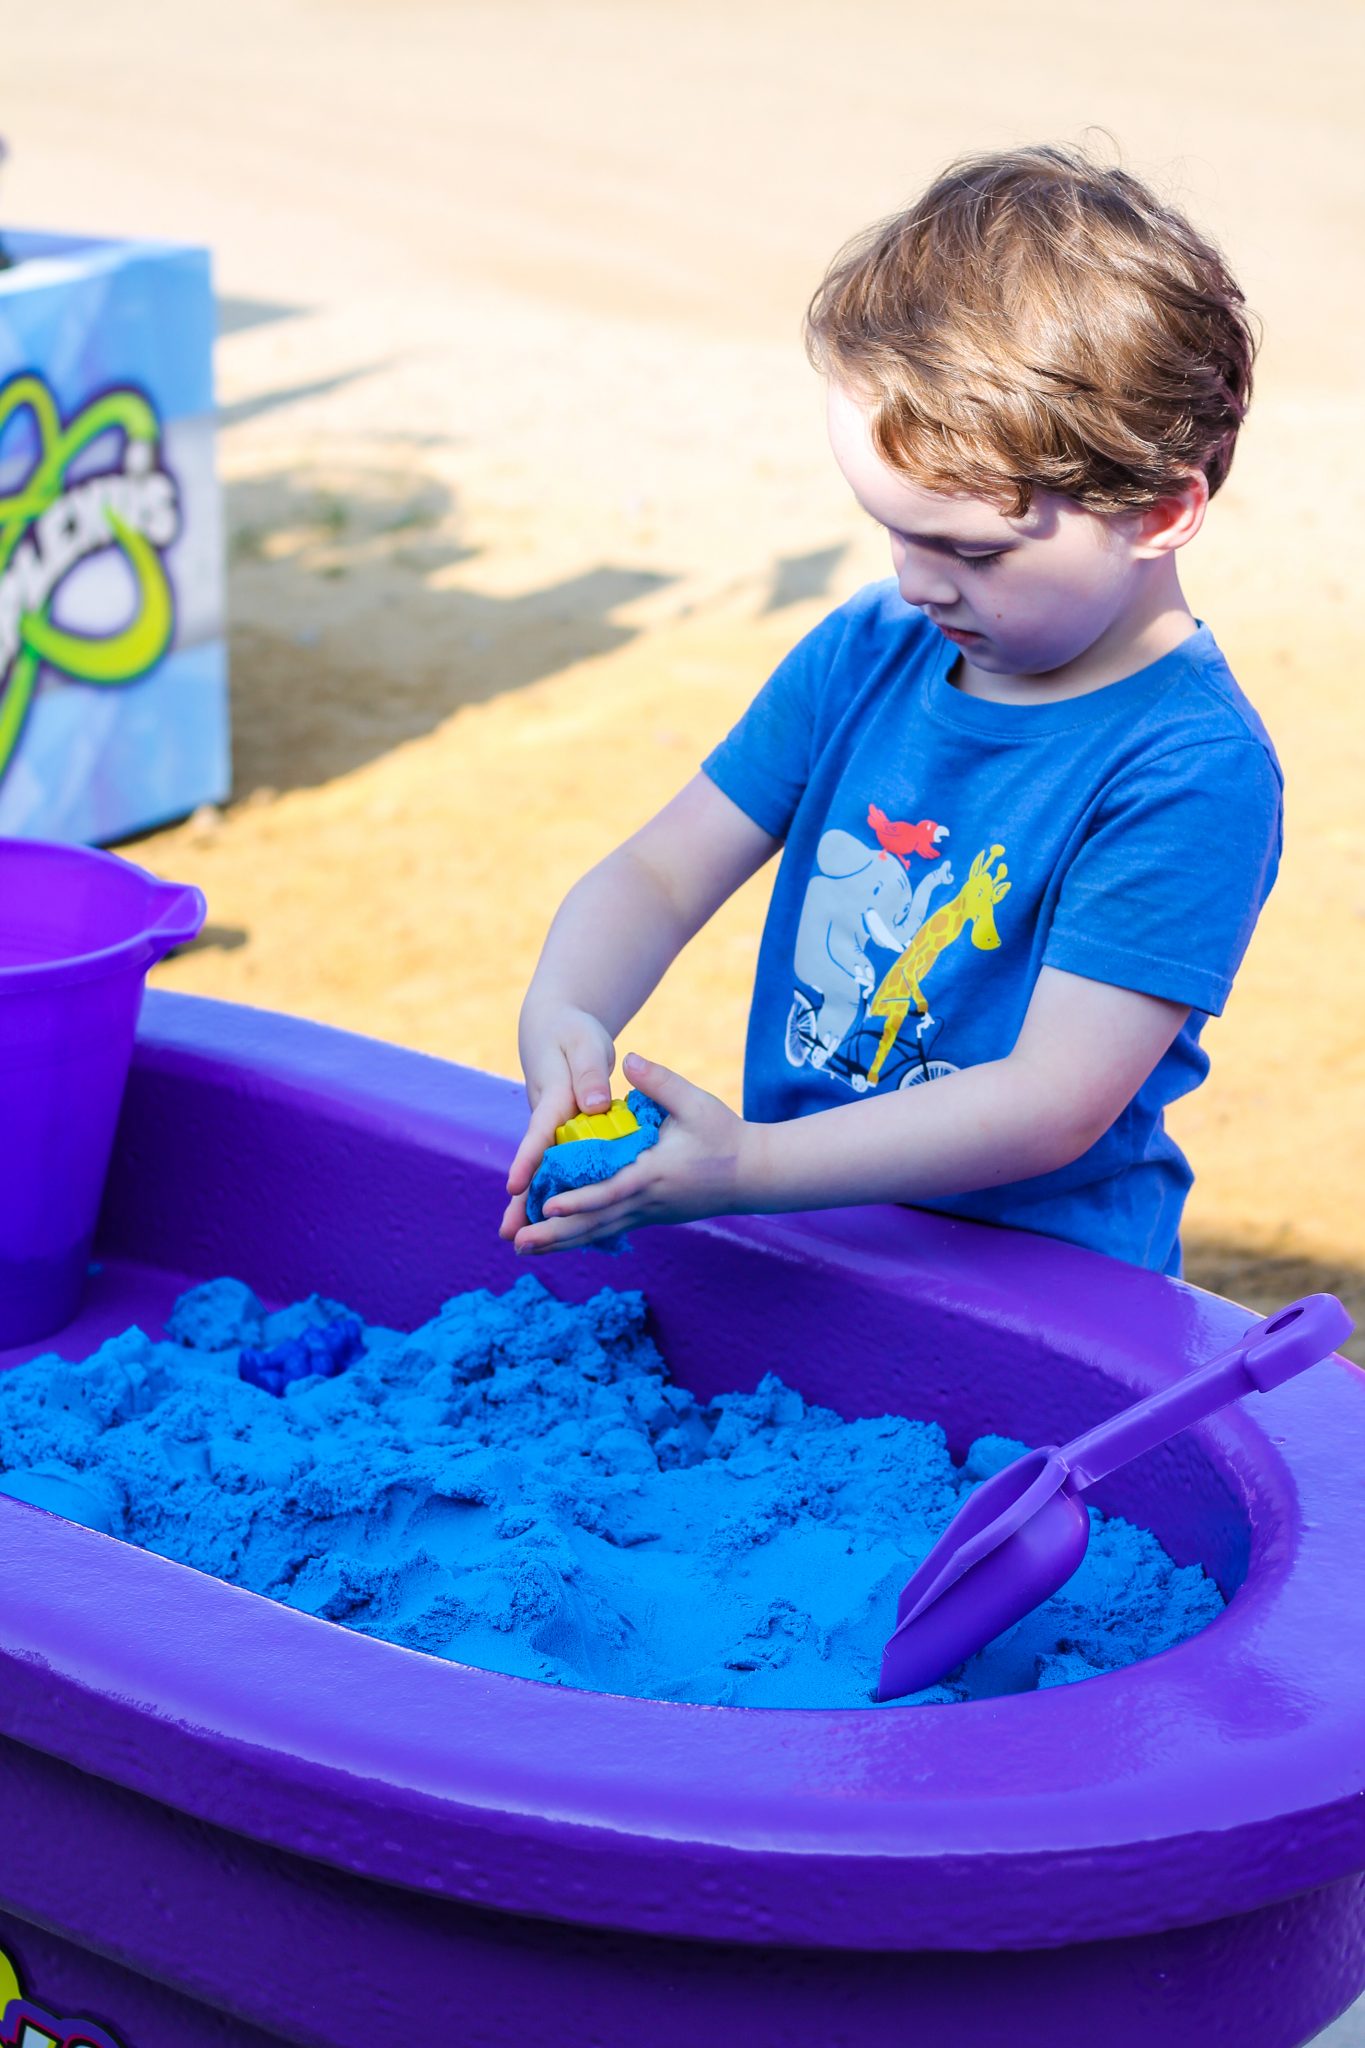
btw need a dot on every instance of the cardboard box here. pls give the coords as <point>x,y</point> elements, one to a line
<point>113,662</point>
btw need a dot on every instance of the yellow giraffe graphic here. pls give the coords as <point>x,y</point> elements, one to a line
<point>974,903</point>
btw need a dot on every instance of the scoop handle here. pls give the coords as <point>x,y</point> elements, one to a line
<point>1270,1353</point>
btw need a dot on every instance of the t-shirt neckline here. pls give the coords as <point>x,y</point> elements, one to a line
<point>1028,721</point>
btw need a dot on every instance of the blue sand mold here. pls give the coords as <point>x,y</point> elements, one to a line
<point>580,1161</point>
<point>322,1351</point>
<point>520,1486</point>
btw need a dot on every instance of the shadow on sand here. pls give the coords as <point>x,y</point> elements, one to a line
<point>1265,1280</point>
<point>350,637</point>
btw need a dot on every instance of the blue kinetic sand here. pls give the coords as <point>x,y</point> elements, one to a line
<point>519,1485</point>
<point>584,1160</point>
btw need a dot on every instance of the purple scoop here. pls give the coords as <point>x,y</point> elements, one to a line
<point>1022,1534</point>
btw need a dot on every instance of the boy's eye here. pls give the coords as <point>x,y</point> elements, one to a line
<point>955,554</point>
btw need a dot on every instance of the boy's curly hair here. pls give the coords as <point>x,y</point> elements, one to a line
<point>1039,321</point>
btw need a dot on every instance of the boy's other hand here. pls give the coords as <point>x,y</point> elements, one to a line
<point>567,1059</point>
<point>696,1169</point>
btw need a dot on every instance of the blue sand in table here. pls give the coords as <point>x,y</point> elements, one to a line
<point>519,1485</point>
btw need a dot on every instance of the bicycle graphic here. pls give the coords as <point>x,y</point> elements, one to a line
<point>905,1066</point>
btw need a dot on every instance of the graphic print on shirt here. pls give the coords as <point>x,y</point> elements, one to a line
<point>847,1020</point>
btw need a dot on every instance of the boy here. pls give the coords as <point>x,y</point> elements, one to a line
<point>1029,819</point>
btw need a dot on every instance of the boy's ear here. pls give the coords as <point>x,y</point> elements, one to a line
<point>1174,519</point>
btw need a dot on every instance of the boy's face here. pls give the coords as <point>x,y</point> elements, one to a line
<point>1021,596</point>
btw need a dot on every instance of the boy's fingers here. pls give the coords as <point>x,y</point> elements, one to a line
<point>513,1217</point>
<point>522,1169</point>
<point>555,1230</point>
<point>598,1195</point>
<point>540,1134</point>
<point>570,1233</point>
<point>528,1157</point>
<point>591,1085</point>
<point>661,1084</point>
<point>518,1177</point>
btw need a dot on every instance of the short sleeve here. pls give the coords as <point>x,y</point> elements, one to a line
<point>764,763</point>
<point>1166,888</point>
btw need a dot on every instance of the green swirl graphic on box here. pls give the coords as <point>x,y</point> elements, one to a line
<point>24,2023</point>
<point>49,527</point>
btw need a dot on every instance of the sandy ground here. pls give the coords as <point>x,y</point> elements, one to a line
<point>527,490</point>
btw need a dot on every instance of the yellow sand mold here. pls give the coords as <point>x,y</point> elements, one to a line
<point>616,1122</point>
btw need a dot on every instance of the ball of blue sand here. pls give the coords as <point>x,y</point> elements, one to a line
<point>581,1161</point>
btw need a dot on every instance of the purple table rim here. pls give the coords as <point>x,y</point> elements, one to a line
<point>1211,1780</point>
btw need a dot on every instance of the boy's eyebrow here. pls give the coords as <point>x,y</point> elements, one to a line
<point>947,540</point>
<point>942,540</point>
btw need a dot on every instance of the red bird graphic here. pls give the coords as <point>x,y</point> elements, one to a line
<point>895,835</point>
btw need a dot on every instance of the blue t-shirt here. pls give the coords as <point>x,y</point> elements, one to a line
<point>941,849</point>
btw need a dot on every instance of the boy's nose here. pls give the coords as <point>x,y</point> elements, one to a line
<point>925,588</point>
<point>922,579</point>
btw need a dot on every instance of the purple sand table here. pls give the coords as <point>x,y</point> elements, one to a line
<point>270,1827</point>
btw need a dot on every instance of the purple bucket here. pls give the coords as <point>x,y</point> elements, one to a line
<point>78,932</point>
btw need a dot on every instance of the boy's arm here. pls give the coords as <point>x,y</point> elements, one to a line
<point>1083,1052</point>
<point>611,941</point>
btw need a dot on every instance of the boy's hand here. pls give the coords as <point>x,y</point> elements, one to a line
<point>567,1059</point>
<point>697,1168</point>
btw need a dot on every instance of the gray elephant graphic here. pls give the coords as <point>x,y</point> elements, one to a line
<point>861,896</point>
